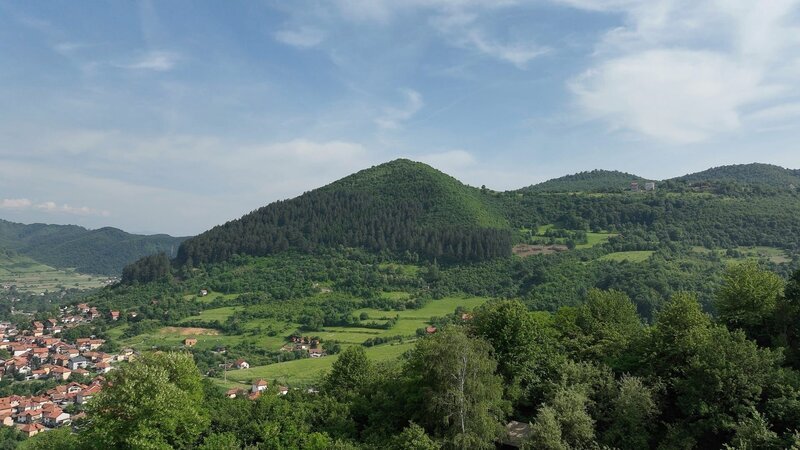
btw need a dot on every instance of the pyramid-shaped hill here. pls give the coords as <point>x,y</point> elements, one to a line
<point>401,206</point>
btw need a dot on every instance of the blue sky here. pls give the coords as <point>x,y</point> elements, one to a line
<point>175,116</point>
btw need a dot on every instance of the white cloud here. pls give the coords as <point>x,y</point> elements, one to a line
<point>393,118</point>
<point>159,61</point>
<point>303,37</point>
<point>683,71</point>
<point>67,209</point>
<point>15,203</point>
<point>50,206</point>
<point>681,96</point>
<point>780,113</point>
<point>384,10</point>
<point>518,54</point>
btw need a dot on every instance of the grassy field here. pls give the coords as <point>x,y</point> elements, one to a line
<point>434,308</point>
<point>633,256</point>
<point>256,333</point>
<point>30,276</point>
<point>258,330</point>
<point>220,314</point>
<point>308,371</point>
<point>595,239</point>
<point>592,238</point>
<point>210,297</point>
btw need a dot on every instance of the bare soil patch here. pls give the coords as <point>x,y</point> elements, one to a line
<point>524,250</point>
<point>185,331</point>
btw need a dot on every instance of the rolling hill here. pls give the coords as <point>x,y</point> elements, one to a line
<point>103,251</point>
<point>752,174</point>
<point>591,181</point>
<point>400,206</point>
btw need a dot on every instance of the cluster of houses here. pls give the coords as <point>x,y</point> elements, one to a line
<point>257,387</point>
<point>32,415</point>
<point>39,353</point>
<point>306,344</point>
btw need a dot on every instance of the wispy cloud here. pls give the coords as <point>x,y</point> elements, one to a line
<point>393,118</point>
<point>516,53</point>
<point>303,37</point>
<point>687,72</point>
<point>51,207</point>
<point>159,61</point>
<point>15,203</point>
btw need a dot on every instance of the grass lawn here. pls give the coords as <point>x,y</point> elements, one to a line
<point>30,276</point>
<point>220,314</point>
<point>210,297</point>
<point>593,239</point>
<point>409,270</point>
<point>308,371</point>
<point>439,307</point>
<point>633,256</point>
<point>399,295</point>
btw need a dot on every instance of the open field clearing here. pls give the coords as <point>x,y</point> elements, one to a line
<point>632,256</point>
<point>595,239</point>
<point>209,315</point>
<point>30,276</point>
<point>307,371</point>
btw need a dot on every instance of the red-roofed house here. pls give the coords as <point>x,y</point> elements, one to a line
<point>55,417</point>
<point>259,386</point>
<point>31,429</point>
<point>241,364</point>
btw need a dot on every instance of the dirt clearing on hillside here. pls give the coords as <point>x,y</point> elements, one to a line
<point>524,250</point>
<point>185,331</point>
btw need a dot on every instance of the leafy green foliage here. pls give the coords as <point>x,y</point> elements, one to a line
<point>462,395</point>
<point>748,298</point>
<point>155,402</point>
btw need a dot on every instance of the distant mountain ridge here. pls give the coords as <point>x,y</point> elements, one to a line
<point>588,181</point>
<point>753,174</point>
<point>103,251</point>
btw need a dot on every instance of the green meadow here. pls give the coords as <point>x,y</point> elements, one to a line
<point>30,276</point>
<point>307,371</point>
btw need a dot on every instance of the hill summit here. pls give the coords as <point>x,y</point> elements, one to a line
<point>753,174</point>
<point>590,181</point>
<point>402,207</point>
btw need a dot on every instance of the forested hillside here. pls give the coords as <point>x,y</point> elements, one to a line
<point>592,181</point>
<point>752,174</point>
<point>401,207</point>
<point>103,251</point>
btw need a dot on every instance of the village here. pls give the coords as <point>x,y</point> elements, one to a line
<point>39,353</point>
